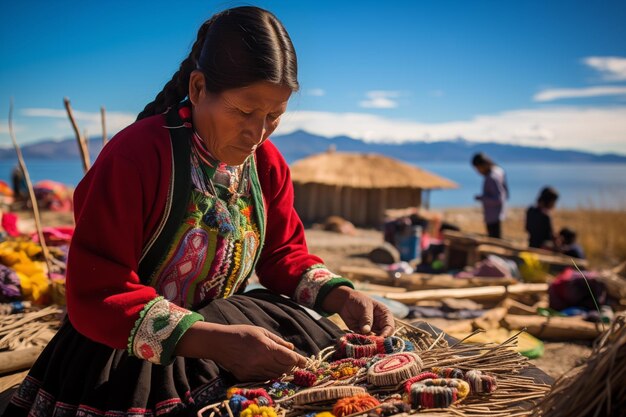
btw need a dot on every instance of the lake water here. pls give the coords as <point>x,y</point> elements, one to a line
<point>588,185</point>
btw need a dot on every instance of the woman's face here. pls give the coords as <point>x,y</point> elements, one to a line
<point>235,122</point>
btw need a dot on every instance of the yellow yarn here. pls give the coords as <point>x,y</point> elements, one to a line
<point>463,389</point>
<point>32,274</point>
<point>324,414</point>
<point>34,287</point>
<point>254,410</point>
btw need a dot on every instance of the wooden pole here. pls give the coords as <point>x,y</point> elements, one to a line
<point>31,192</point>
<point>84,151</point>
<point>476,294</point>
<point>104,125</point>
<point>554,327</point>
<point>15,360</point>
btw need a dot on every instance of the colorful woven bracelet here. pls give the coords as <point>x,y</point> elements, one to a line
<point>481,383</point>
<point>353,345</point>
<point>437,393</point>
<point>394,369</point>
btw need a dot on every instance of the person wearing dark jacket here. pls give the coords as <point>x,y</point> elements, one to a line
<point>539,220</point>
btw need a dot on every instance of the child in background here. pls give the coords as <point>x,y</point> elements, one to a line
<point>568,245</point>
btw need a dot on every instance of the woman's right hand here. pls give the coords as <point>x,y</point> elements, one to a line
<point>250,353</point>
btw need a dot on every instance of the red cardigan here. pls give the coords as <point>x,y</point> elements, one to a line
<point>119,205</point>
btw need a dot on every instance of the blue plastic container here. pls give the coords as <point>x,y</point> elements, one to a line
<point>408,244</point>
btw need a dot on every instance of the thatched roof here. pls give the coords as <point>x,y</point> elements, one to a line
<point>364,171</point>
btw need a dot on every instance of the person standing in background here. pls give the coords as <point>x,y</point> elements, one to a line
<point>539,220</point>
<point>494,195</point>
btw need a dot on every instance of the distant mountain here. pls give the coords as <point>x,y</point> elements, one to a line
<point>51,149</point>
<point>300,144</point>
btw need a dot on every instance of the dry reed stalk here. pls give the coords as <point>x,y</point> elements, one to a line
<point>31,194</point>
<point>596,388</point>
<point>104,125</point>
<point>21,329</point>
<point>514,396</point>
<point>82,142</point>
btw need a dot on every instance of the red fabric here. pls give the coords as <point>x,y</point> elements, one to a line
<point>118,206</point>
<point>9,224</point>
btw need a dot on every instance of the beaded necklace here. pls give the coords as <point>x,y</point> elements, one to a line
<point>225,213</point>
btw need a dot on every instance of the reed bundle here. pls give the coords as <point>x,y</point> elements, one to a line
<point>597,387</point>
<point>34,328</point>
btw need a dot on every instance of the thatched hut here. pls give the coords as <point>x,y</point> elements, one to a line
<point>358,187</point>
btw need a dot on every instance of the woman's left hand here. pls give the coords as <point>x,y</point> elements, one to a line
<point>360,312</point>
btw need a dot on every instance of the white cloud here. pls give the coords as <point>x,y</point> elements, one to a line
<point>115,121</point>
<point>612,68</point>
<point>317,92</point>
<point>380,100</point>
<point>562,93</point>
<point>586,128</point>
<point>4,128</point>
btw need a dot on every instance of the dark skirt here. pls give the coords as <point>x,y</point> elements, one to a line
<point>75,376</point>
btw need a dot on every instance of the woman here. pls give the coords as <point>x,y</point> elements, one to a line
<point>177,212</point>
<point>495,193</point>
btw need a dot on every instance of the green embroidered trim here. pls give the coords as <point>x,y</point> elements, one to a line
<point>326,289</point>
<point>142,315</point>
<point>169,344</point>
<point>315,266</point>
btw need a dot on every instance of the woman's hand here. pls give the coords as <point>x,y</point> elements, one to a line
<point>250,353</point>
<point>360,312</point>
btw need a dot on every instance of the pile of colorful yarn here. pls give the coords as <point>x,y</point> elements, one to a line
<point>250,402</point>
<point>22,274</point>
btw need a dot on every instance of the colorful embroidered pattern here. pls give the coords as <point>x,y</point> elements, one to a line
<point>215,248</point>
<point>311,283</point>
<point>158,329</point>
<point>186,265</point>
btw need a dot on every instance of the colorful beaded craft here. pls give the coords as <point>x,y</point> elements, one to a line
<point>437,392</point>
<point>337,370</point>
<point>325,394</point>
<point>395,344</point>
<point>355,404</point>
<point>481,383</point>
<point>279,389</point>
<point>393,369</point>
<point>241,399</point>
<point>353,345</point>
<point>449,372</point>
<point>258,411</point>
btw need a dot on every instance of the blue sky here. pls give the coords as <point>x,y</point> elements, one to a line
<point>542,73</point>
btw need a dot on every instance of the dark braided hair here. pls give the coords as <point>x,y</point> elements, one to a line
<point>234,48</point>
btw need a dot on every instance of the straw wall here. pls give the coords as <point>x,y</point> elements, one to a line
<point>361,206</point>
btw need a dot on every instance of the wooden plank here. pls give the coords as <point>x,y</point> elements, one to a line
<point>476,294</point>
<point>554,327</point>
<point>15,360</point>
<point>419,281</point>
